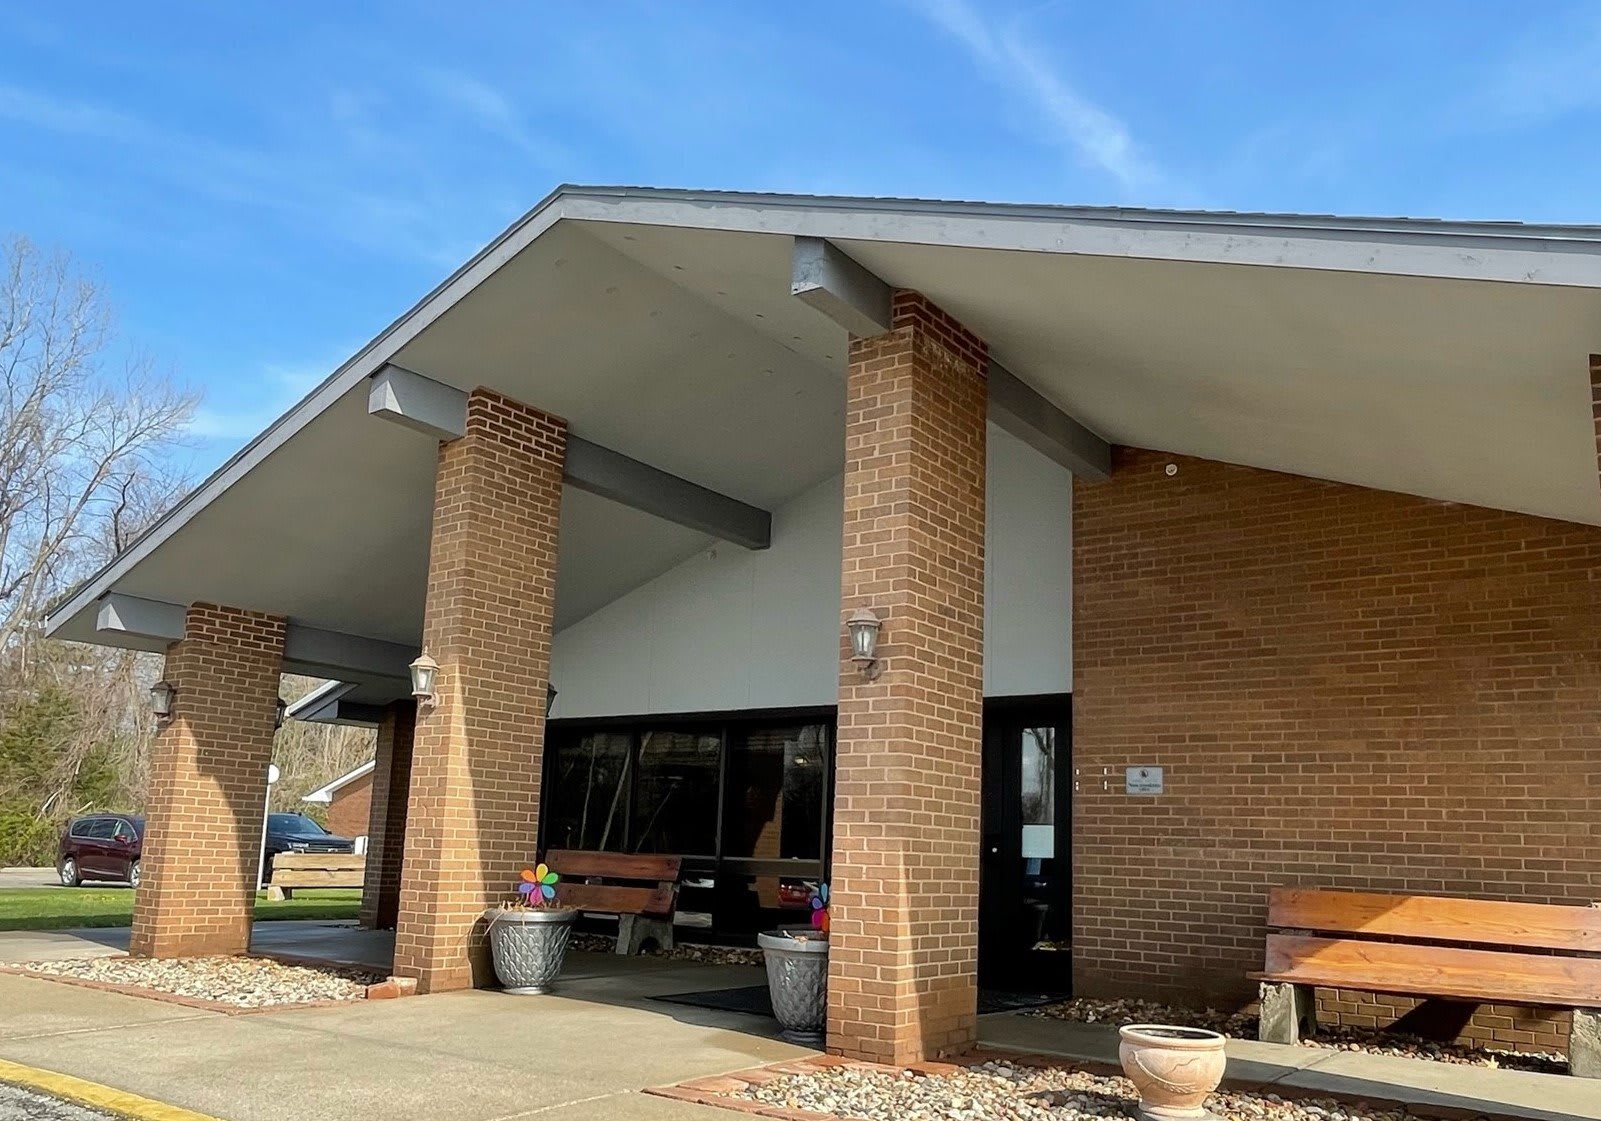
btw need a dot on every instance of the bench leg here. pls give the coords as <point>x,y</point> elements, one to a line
<point>1288,1012</point>
<point>1584,1045</point>
<point>276,894</point>
<point>633,931</point>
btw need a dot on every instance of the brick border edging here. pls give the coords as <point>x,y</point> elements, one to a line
<point>199,1003</point>
<point>715,1090</point>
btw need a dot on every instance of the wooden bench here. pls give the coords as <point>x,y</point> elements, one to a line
<point>1472,950</point>
<point>644,910</point>
<point>291,870</point>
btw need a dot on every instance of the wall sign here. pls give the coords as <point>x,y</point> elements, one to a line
<point>1142,780</point>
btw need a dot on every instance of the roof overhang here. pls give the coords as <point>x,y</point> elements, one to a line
<point>1442,359</point>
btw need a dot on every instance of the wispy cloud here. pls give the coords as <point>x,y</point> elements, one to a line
<point>276,388</point>
<point>490,110</point>
<point>64,115</point>
<point>1547,74</point>
<point>1098,137</point>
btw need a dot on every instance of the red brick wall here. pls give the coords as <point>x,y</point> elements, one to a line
<point>208,786</point>
<point>905,858</point>
<point>350,812</point>
<point>386,827</point>
<point>472,819</point>
<point>1348,688</point>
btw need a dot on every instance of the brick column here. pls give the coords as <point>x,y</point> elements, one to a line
<point>903,955</point>
<point>386,827</point>
<point>208,786</point>
<point>472,820</point>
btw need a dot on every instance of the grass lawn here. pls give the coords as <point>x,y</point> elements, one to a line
<point>55,908</point>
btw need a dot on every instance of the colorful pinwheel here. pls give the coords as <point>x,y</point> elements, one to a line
<point>538,886</point>
<point>820,909</point>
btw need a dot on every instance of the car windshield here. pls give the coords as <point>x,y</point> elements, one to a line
<point>293,823</point>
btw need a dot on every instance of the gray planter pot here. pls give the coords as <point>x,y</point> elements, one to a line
<point>528,947</point>
<point>797,980</point>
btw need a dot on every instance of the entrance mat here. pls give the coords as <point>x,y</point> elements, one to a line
<point>755,1000</point>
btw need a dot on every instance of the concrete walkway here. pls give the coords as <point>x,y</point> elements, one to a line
<point>331,940</point>
<point>1512,1093</point>
<point>482,1056</point>
<point>471,1056</point>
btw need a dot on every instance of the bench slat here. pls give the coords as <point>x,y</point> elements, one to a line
<point>315,877</point>
<point>1440,971</point>
<point>1490,922</point>
<point>576,864</point>
<point>653,901</point>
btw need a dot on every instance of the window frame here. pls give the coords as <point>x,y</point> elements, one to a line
<point>559,733</point>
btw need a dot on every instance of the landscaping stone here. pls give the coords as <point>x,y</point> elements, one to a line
<point>683,951</point>
<point>1001,1090</point>
<point>243,982</point>
<point>1243,1025</point>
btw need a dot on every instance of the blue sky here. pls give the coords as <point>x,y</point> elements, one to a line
<point>263,187</point>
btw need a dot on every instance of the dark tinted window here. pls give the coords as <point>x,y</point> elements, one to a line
<point>675,797</point>
<point>293,823</point>
<point>123,829</point>
<point>80,828</point>
<point>775,793</point>
<point>588,800</point>
<point>100,829</point>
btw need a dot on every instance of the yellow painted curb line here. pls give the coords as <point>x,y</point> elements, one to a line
<point>94,1095</point>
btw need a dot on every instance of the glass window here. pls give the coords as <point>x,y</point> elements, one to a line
<point>124,831</point>
<point>588,802</point>
<point>675,806</point>
<point>1039,793</point>
<point>292,823</point>
<point>775,793</point>
<point>100,829</point>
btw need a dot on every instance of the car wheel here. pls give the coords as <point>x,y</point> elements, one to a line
<point>133,875</point>
<point>68,870</point>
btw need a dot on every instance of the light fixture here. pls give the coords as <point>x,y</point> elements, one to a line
<point>161,694</point>
<point>279,709</point>
<point>550,697</point>
<point>864,626</point>
<point>423,672</point>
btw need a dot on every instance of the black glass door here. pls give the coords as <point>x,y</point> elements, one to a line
<point>1025,889</point>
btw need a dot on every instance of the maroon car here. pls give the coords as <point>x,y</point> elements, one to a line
<point>101,847</point>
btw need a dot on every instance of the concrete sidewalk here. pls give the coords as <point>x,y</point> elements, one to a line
<point>336,940</point>
<point>582,1054</point>
<point>470,1056</point>
<point>1512,1093</point>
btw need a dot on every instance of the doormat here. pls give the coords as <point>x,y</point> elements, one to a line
<point>755,1000</point>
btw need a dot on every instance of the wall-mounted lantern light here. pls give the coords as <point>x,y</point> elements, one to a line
<point>423,672</point>
<point>279,709</point>
<point>864,626</point>
<point>550,697</point>
<point>161,695</point>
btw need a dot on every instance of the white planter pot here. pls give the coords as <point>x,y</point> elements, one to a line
<point>1174,1069</point>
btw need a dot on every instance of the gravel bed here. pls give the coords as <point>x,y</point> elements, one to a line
<point>1002,1091</point>
<point>244,982</point>
<point>20,1104</point>
<point>684,951</point>
<point>1242,1025</point>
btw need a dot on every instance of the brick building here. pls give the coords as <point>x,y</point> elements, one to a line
<point>349,802</point>
<point>1212,552</point>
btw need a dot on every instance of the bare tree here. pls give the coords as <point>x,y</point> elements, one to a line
<point>83,447</point>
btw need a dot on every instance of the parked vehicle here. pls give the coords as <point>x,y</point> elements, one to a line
<point>288,832</point>
<point>103,846</point>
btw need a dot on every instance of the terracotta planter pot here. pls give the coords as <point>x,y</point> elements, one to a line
<point>1174,1069</point>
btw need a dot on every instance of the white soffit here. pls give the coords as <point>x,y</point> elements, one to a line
<point>1443,359</point>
